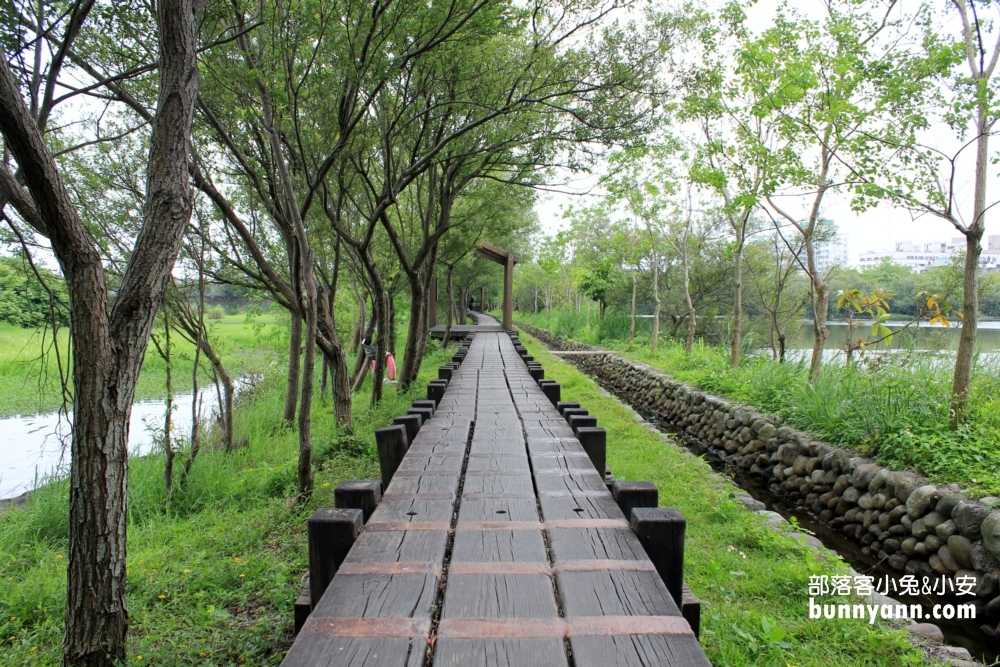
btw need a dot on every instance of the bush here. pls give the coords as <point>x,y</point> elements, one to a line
<point>216,313</point>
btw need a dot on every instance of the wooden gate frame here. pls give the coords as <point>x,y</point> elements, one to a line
<point>506,259</point>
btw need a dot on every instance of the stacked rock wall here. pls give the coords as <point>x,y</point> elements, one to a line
<point>914,526</point>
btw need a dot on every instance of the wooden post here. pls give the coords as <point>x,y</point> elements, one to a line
<point>661,532</point>
<point>444,373</point>
<point>331,534</point>
<point>392,443</point>
<point>482,299</point>
<point>432,312</point>
<point>411,423</point>
<point>508,292</point>
<point>358,494</point>
<point>595,442</point>
<point>552,391</point>
<point>566,405</point>
<point>435,392</point>
<point>635,494</point>
<point>424,413</point>
<point>691,609</point>
<point>424,404</point>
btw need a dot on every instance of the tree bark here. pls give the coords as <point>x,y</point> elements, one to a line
<point>109,344</point>
<point>294,358</point>
<point>451,311</point>
<point>736,335</point>
<point>631,329</point>
<point>657,304</point>
<point>962,379</point>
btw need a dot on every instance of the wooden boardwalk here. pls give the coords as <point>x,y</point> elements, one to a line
<point>497,544</point>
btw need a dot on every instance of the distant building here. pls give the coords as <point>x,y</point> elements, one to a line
<point>830,252</point>
<point>918,258</point>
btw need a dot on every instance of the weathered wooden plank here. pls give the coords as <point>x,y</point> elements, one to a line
<point>413,510</point>
<point>499,596</point>
<point>488,546</point>
<point>356,652</point>
<point>498,509</point>
<point>548,652</point>
<point>380,596</point>
<point>614,593</point>
<point>399,546</point>
<point>598,543</point>
<point>580,507</point>
<point>638,651</point>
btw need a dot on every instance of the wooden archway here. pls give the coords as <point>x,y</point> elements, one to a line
<point>507,260</point>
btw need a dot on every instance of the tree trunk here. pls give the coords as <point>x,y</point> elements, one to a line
<point>294,358</point>
<point>692,319</point>
<point>305,472</point>
<point>821,304</point>
<point>736,335</point>
<point>631,328</point>
<point>390,339</point>
<point>962,379</point>
<point>228,392</point>
<point>407,371</point>
<point>109,343</point>
<point>451,310</point>
<point>657,304</point>
<point>168,447</point>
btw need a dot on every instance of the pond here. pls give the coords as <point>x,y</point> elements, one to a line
<point>923,337</point>
<point>37,447</point>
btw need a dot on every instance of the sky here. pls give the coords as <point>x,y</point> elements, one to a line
<point>877,229</point>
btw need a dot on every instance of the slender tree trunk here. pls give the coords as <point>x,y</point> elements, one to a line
<point>228,392</point>
<point>168,446</point>
<point>417,316</point>
<point>631,328</point>
<point>736,335</point>
<point>962,379</point>
<point>451,309</point>
<point>657,304</point>
<point>692,319</point>
<point>390,309</point>
<point>294,359</point>
<point>821,304</point>
<point>305,472</point>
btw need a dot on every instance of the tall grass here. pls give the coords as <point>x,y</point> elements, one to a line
<point>893,406</point>
<point>214,572</point>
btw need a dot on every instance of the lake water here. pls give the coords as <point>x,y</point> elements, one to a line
<point>36,447</point>
<point>924,337</point>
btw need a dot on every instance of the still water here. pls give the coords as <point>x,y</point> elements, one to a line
<point>924,337</point>
<point>37,447</point>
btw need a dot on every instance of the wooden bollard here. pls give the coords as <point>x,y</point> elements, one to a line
<point>302,609</point>
<point>435,392</point>
<point>458,358</point>
<point>552,391</point>
<point>527,358</point>
<point>576,422</point>
<point>331,534</point>
<point>635,494</point>
<point>425,404</point>
<point>595,443</point>
<point>661,532</point>
<point>358,494</point>
<point>566,405</point>
<point>424,413</point>
<point>392,443</point>
<point>411,423</point>
<point>571,412</point>
<point>609,481</point>
<point>536,373</point>
<point>691,609</point>
<point>444,373</point>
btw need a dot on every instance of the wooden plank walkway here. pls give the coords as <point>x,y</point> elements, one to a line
<point>497,544</point>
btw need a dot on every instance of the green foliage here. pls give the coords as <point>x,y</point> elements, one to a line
<point>752,580</point>
<point>212,581</point>
<point>24,302</point>
<point>891,406</point>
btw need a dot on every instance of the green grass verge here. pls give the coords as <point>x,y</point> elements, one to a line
<point>894,408</point>
<point>212,580</point>
<point>29,370</point>
<point>753,581</point>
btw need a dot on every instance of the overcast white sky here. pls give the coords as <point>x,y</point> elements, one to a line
<point>877,229</point>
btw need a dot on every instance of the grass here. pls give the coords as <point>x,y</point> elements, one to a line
<point>892,407</point>
<point>29,370</point>
<point>212,579</point>
<point>753,581</point>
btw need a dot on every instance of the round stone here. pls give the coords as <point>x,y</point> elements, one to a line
<point>920,500</point>
<point>991,533</point>
<point>960,547</point>
<point>933,520</point>
<point>946,529</point>
<point>928,630</point>
<point>969,516</point>
<point>948,560</point>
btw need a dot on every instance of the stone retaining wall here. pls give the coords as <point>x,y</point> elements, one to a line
<point>916,527</point>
